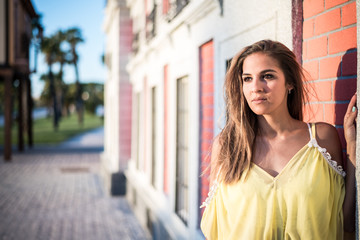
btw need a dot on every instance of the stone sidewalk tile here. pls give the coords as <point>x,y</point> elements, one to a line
<point>59,195</point>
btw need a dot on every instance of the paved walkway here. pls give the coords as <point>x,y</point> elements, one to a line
<point>57,193</point>
<point>91,139</point>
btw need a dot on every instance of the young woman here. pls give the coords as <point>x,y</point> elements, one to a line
<point>274,176</point>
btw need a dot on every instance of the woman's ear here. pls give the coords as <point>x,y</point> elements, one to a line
<point>290,89</point>
<point>289,86</point>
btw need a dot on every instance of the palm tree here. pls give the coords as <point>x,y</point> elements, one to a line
<point>37,36</point>
<point>62,57</point>
<point>50,47</point>
<point>60,92</point>
<point>74,37</point>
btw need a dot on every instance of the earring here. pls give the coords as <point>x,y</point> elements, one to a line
<point>289,91</point>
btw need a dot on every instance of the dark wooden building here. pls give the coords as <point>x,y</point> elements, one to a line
<point>17,18</point>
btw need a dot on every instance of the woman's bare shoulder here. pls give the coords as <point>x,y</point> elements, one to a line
<point>216,142</point>
<point>326,133</point>
<point>327,137</point>
<point>215,151</point>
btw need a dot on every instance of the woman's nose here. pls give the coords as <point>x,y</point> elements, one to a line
<point>257,85</point>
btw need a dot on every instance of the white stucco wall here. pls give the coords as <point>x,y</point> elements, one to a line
<point>111,124</point>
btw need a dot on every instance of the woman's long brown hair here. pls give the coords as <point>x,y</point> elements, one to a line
<point>237,138</point>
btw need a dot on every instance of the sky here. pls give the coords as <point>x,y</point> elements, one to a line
<point>88,15</point>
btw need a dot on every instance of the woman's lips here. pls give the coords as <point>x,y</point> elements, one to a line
<point>258,100</point>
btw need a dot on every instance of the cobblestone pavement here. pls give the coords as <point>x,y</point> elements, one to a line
<point>58,194</point>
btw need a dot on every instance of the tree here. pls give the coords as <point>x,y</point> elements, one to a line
<point>36,37</point>
<point>74,37</point>
<point>60,91</point>
<point>50,47</point>
<point>45,97</point>
<point>62,57</point>
<point>95,96</point>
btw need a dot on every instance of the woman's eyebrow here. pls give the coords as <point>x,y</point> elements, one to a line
<point>268,70</point>
<point>262,72</point>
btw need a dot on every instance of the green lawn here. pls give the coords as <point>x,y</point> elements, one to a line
<point>44,133</point>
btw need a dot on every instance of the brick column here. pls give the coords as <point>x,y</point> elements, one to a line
<point>358,129</point>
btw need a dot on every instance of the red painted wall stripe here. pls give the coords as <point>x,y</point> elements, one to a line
<point>125,120</point>
<point>165,6</point>
<point>206,134</point>
<point>125,91</point>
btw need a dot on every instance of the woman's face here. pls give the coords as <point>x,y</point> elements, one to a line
<point>264,85</point>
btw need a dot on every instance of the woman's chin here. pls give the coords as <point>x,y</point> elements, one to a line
<point>258,111</point>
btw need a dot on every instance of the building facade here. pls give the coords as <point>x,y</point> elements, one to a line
<point>180,50</point>
<point>177,72</point>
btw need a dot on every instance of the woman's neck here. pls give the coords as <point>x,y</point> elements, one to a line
<point>272,126</point>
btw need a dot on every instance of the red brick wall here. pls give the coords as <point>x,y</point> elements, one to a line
<point>329,56</point>
<point>166,145</point>
<point>206,53</point>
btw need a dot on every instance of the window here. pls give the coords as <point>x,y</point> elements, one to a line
<point>153,137</point>
<point>135,42</point>
<point>182,112</point>
<point>151,23</point>
<point>174,8</point>
<point>228,64</point>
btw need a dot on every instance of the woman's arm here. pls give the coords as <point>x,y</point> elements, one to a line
<point>327,137</point>
<point>350,137</point>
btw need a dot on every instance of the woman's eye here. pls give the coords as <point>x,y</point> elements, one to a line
<point>268,76</point>
<point>246,79</point>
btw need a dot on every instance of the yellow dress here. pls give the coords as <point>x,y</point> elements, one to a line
<point>304,201</point>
